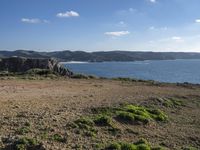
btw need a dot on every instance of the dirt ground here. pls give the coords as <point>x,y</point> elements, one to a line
<point>42,109</point>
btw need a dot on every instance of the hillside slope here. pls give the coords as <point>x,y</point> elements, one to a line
<point>101,56</point>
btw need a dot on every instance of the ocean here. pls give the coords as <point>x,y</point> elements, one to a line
<point>172,71</point>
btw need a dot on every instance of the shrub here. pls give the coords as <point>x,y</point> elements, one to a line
<point>103,120</point>
<point>114,146</point>
<point>125,117</point>
<point>23,130</point>
<point>37,71</point>
<point>127,146</point>
<point>79,76</point>
<point>84,123</point>
<point>58,138</point>
<point>27,143</point>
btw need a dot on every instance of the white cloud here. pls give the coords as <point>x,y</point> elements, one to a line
<point>177,39</point>
<point>158,29</point>
<point>68,14</point>
<point>117,33</point>
<point>197,20</point>
<point>34,20</point>
<point>152,1</point>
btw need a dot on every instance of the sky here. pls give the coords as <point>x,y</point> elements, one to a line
<point>100,25</point>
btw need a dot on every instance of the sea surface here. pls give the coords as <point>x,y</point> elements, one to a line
<point>160,70</point>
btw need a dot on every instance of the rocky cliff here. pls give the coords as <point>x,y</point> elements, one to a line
<point>21,64</point>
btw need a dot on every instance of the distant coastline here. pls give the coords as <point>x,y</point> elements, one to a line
<point>101,56</point>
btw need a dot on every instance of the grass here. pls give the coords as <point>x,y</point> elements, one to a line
<point>103,120</point>
<point>190,148</point>
<point>84,126</point>
<point>23,130</point>
<point>32,74</point>
<point>58,138</point>
<point>140,145</point>
<point>171,102</point>
<point>107,117</point>
<point>41,72</point>
<point>25,143</point>
<point>136,80</point>
<point>84,123</point>
<point>130,114</point>
<point>125,79</point>
<point>138,114</point>
<point>126,117</point>
<point>83,76</point>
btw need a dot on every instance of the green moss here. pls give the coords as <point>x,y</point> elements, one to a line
<point>126,117</point>
<point>58,138</point>
<point>103,120</point>
<point>143,147</point>
<point>125,79</point>
<point>142,141</point>
<point>114,130</point>
<point>23,130</point>
<point>85,126</point>
<point>80,76</point>
<point>114,146</point>
<point>172,102</point>
<point>158,148</point>
<point>37,71</point>
<point>84,123</point>
<point>190,148</point>
<point>104,110</point>
<point>26,143</point>
<point>158,115</point>
<point>140,145</point>
<point>132,114</point>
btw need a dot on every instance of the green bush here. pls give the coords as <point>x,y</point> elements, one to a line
<point>80,76</point>
<point>126,117</point>
<point>103,120</point>
<point>37,71</point>
<point>140,145</point>
<point>58,138</point>
<point>23,130</point>
<point>26,143</point>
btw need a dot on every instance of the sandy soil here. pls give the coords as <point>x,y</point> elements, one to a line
<point>53,104</point>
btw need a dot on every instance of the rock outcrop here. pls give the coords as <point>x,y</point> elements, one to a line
<point>21,64</point>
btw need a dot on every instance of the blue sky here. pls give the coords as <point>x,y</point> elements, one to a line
<point>95,25</point>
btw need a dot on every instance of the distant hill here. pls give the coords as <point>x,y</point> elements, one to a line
<point>101,56</point>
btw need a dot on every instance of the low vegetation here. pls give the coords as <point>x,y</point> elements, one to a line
<point>58,138</point>
<point>107,118</point>
<point>27,143</point>
<point>140,145</point>
<point>130,114</point>
<point>171,102</point>
<point>83,76</point>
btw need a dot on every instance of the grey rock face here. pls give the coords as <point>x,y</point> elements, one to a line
<point>21,64</point>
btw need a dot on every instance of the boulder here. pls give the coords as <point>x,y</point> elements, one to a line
<point>21,64</point>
